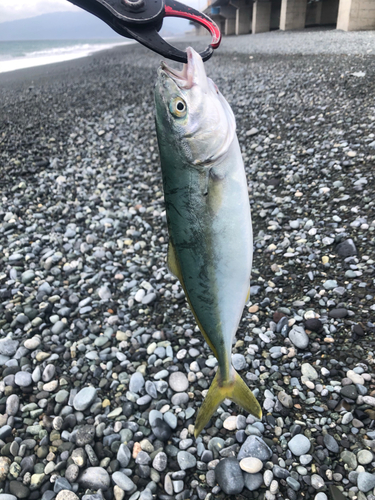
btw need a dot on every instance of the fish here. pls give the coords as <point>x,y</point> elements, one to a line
<point>208,217</point>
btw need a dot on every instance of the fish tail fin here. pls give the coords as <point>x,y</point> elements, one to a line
<point>237,391</point>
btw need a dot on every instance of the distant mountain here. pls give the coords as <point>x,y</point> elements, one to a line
<point>72,26</point>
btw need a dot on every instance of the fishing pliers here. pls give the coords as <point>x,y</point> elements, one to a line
<point>143,19</point>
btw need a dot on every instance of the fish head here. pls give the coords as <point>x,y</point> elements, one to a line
<point>192,116</point>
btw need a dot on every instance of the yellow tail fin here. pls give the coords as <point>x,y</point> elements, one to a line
<point>237,391</point>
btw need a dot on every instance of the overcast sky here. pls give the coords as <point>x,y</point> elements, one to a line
<point>11,10</point>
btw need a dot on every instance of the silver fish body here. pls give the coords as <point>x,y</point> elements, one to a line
<point>208,215</point>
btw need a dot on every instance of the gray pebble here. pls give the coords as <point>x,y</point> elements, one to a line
<point>178,382</point>
<point>239,362</point>
<point>84,398</point>
<point>253,481</point>
<point>137,382</point>
<point>8,347</point>
<point>229,476</point>
<point>123,455</point>
<point>160,462</point>
<point>94,478</point>
<point>254,446</point>
<point>365,481</point>
<point>123,481</point>
<point>12,405</point>
<point>186,460</point>
<point>23,379</point>
<point>299,337</point>
<point>299,445</point>
<point>331,443</point>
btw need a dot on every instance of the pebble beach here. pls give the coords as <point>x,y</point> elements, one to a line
<point>102,366</point>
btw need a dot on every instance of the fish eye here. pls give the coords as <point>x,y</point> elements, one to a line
<point>178,107</point>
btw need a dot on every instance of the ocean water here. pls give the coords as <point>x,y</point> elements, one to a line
<point>26,54</point>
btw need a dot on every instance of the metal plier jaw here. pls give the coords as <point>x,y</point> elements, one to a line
<point>142,19</point>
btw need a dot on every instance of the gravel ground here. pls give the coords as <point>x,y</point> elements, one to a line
<point>102,367</point>
<point>310,41</point>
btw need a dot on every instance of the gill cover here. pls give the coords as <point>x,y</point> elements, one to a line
<point>204,130</point>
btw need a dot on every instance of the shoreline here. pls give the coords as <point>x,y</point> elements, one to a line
<point>349,44</point>
<point>57,67</point>
<point>47,59</point>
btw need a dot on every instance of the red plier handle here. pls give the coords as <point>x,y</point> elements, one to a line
<point>176,9</point>
<point>143,19</point>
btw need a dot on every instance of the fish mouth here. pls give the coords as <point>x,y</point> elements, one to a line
<point>192,73</point>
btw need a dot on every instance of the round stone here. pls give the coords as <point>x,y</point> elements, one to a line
<point>313,324</point>
<point>331,443</point>
<point>309,371</point>
<point>160,462</point>
<point>123,481</point>
<point>32,343</point>
<point>229,476</point>
<point>137,382</point>
<point>293,483</point>
<point>95,478</point>
<point>349,459</point>
<point>72,473</point>
<point>178,382</point>
<point>66,495</point>
<point>186,460</point>
<point>253,481</point>
<point>62,396</point>
<point>285,399</point>
<point>19,489</point>
<point>299,445</point>
<point>355,377</point>
<point>171,419</point>
<point>27,277</point>
<point>84,398</point>
<point>12,405</point>
<point>230,423</point>
<point>48,372</point>
<point>239,362</point>
<point>330,284</point>
<point>317,481</point>
<point>161,430</point>
<point>365,457</point>
<point>366,481</point>
<point>8,347</point>
<point>299,337</point>
<point>123,455</point>
<point>58,327</point>
<point>349,391</point>
<point>23,379</point>
<point>50,386</point>
<point>180,398</point>
<point>4,467</point>
<point>305,459</point>
<point>251,465</point>
<point>254,446</point>
<point>320,496</point>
